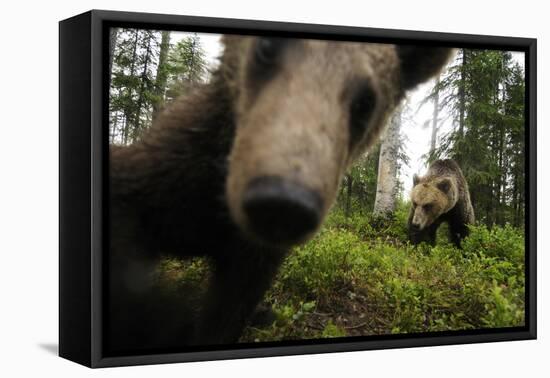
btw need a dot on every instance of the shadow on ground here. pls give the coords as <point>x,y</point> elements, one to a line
<point>50,348</point>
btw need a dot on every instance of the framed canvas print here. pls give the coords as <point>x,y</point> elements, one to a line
<point>234,188</point>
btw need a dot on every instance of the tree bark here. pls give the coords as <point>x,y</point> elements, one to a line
<point>462,95</point>
<point>435,118</point>
<point>112,44</point>
<point>141,94</point>
<point>386,188</point>
<point>162,75</point>
<point>127,113</point>
<point>349,180</point>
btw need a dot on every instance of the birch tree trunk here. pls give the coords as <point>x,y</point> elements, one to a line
<point>138,124</point>
<point>127,113</point>
<point>435,118</point>
<point>162,74</point>
<point>462,95</point>
<point>349,182</point>
<point>386,187</point>
<point>112,44</point>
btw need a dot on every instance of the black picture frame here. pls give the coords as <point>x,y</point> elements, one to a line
<point>83,154</point>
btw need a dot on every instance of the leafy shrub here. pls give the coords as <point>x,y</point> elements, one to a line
<point>332,330</point>
<point>360,276</point>
<point>504,243</point>
<point>290,323</point>
<point>322,268</point>
<point>369,227</point>
<point>401,288</point>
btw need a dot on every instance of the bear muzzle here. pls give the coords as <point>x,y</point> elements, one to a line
<point>280,211</point>
<point>420,221</point>
<point>415,226</point>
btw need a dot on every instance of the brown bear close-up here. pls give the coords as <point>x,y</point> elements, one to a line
<point>246,166</point>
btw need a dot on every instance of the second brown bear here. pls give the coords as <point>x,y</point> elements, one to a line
<point>441,195</point>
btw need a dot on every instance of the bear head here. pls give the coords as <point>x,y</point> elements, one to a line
<point>304,111</point>
<point>430,198</point>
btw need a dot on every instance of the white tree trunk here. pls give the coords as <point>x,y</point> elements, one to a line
<point>435,117</point>
<point>112,44</point>
<point>386,188</point>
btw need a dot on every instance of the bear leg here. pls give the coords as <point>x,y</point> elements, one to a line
<point>432,234</point>
<point>457,232</point>
<point>238,284</point>
<point>427,235</point>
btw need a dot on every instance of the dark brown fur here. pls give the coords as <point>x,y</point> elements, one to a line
<point>169,192</point>
<point>442,195</point>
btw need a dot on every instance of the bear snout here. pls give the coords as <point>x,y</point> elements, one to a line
<point>415,226</point>
<point>280,211</point>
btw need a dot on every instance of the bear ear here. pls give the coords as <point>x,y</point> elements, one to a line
<point>444,185</point>
<point>419,63</point>
<point>416,180</point>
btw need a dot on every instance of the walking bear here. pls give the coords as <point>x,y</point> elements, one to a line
<point>442,195</point>
<point>240,170</point>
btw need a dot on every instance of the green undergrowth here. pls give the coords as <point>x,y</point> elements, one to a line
<point>360,276</point>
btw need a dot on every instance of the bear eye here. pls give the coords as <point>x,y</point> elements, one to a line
<point>427,207</point>
<point>267,50</point>
<point>361,109</point>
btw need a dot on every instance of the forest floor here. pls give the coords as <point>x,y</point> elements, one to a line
<point>360,276</point>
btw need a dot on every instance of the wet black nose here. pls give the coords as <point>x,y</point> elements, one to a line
<point>280,211</point>
<point>415,226</point>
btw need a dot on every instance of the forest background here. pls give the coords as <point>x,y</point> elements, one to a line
<point>360,275</point>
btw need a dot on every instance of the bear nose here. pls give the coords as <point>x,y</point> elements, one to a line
<point>280,211</point>
<point>416,226</point>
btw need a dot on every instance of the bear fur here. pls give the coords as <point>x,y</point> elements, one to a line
<point>297,112</point>
<point>441,195</point>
